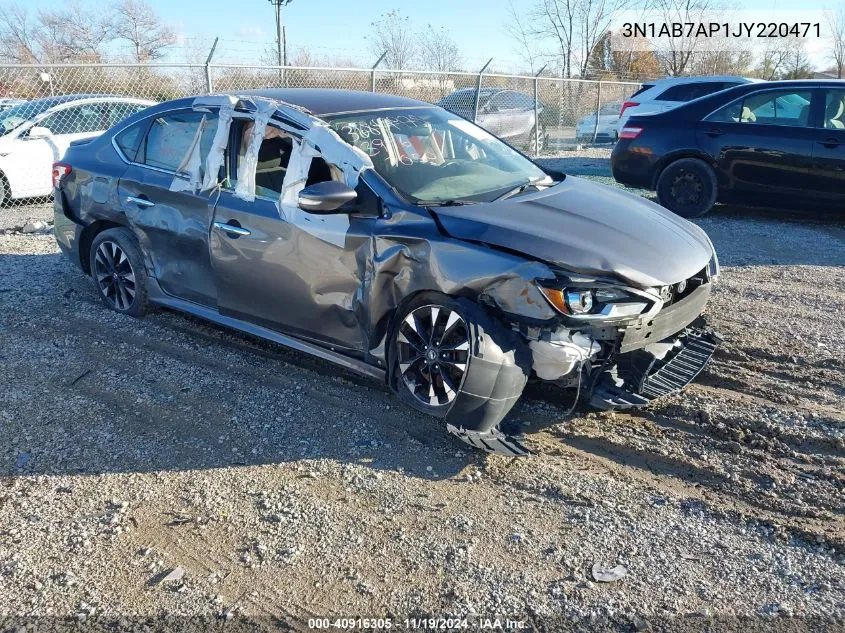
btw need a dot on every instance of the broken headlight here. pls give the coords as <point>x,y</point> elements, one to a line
<point>595,303</point>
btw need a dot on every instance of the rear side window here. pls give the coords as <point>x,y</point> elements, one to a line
<point>772,107</point>
<point>81,119</point>
<point>171,137</point>
<point>688,92</point>
<point>129,140</point>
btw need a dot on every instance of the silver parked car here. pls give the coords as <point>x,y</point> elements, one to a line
<point>396,239</point>
<point>508,114</point>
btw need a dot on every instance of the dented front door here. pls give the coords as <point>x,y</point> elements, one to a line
<point>289,274</point>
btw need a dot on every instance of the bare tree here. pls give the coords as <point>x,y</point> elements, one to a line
<point>571,28</point>
<point>677,55</point>
<point>137,23</point>
<point>593,22</point>
<point>524,37</point>
<point>76,33</point>
<point>438,51</point>
<point>836,21</point>
<point>19,36</point>
<point>772,62</point>
<point>555,20</point>
<point>392,33</point>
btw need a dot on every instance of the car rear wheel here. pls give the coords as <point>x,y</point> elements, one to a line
<point>117,268</point>
<point>688,187</point>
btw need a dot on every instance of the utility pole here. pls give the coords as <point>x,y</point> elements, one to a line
<point>281,40</point>
<point>281,44</point>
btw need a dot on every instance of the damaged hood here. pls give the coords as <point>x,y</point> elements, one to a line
<point>588,228</point>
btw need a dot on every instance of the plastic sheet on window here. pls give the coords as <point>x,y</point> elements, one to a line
<point>188,176</point>
<point>217,153</point>
<point>245,187</point>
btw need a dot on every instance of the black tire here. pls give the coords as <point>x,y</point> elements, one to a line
<point>474,366</point>
<point>688,187</point>
<point>117,270</point>
<point>543,138</point>
<point>5,193</point>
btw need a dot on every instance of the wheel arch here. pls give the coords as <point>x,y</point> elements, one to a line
<point>86,238</point>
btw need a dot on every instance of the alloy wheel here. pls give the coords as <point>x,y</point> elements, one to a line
<point>433,350</point>
<point>114,274</point>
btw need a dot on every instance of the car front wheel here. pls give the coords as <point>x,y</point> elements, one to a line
<point>688,187</point>
<point>450,358</point>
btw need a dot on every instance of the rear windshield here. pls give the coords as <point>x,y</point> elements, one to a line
<point>642,89</point>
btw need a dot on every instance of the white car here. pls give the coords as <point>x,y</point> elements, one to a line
<point>605,132</point>
<point>35,134</point>
<point>665,94</point>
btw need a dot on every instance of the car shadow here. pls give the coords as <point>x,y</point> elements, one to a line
<point>89,391</point>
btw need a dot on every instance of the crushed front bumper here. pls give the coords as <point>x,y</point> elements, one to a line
<point>639,377</point>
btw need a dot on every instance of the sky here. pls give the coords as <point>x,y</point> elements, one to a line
<point>336,28</point>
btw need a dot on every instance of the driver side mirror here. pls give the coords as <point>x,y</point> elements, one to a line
<point>37,132</point>
<point>325,197</point>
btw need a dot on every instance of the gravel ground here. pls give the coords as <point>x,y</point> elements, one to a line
<point>163,472</point>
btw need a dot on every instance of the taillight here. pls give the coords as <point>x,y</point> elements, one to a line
<point>626,105</point>
<point>60,170</point>
<point>629,131</point>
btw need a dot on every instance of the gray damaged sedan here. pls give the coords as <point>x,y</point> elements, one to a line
<point>397,240</point>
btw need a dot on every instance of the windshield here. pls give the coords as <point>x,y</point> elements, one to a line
<point>431,155</point>
<point>21,113</point>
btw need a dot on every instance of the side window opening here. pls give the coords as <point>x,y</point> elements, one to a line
<point>274,155</point>
<point>273,158</point>
<point>780,107</point>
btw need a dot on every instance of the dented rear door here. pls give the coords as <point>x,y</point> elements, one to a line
<point>172,226</point>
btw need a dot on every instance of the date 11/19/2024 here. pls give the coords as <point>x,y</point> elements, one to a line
<point>418,624</point>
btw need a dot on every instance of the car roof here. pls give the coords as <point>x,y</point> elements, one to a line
<point>671,81</point>
<point>49,102</point>
<point>326,101</point>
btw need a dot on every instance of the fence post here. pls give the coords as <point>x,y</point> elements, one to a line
<point>373,72</point>
<point>478,91</point>
<point>537,110</point>
<point>209,84</point>
<point>598,109</point>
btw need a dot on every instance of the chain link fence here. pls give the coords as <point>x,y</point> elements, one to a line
<point>45,108</point>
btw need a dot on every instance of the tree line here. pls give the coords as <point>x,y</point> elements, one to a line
<point>570,38</point>
<point>125,30</point>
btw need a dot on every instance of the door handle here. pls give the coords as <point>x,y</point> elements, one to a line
<point>141,202</point>
<point>230,228</point>
<point>831,142</point>
<point>714,131</point>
